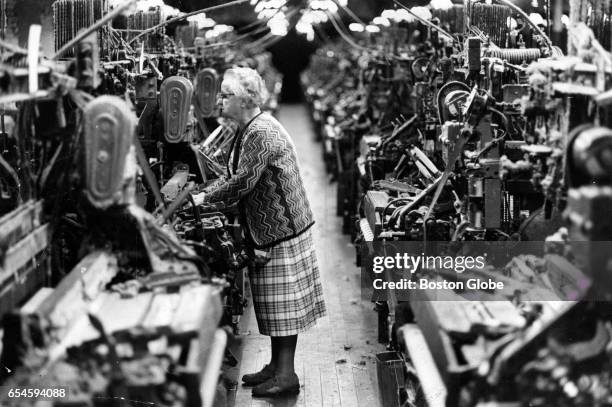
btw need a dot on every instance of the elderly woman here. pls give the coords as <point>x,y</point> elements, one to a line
<point>265,180</point>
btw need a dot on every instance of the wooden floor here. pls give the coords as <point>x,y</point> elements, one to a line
<point>334,361</point>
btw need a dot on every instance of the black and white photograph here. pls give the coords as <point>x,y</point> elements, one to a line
<point>305,203</point>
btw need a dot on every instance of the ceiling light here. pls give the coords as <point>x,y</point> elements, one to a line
<point>441,4</point>
<point>511,23</point>
<point>565,20</point>
<point>202,21</point>
<point>388,14</point>
<point>403,15</point>
<point>266,13</point>
<point>537,19</point>
<point>381,21</point>
<point>422,12</point>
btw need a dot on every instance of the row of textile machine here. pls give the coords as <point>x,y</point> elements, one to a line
<point>114,285</point>
<point>472,128</point>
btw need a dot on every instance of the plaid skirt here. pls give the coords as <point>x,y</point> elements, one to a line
<point>287,291</point>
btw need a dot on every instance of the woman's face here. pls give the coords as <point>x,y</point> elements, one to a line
<point>230,105</point>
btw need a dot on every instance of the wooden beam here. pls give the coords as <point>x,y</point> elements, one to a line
<point>19,254</point>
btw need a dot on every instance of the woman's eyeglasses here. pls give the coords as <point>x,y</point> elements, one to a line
<point>224,95</point>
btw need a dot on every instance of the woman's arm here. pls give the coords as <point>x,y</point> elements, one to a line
<point>255,154</point>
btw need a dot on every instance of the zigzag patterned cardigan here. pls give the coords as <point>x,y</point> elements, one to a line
<point>266,182</point>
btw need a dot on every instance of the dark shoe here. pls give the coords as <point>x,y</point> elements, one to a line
<point>253,379</point>
<point>278,385</point>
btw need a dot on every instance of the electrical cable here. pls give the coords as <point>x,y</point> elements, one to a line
<point>268,42</point>
<point>350,13</point>
<point>289,14</point>
<point>502,116</point>
<point>250,33</point>
<point>184,16</point>
<point>258,21</point>
<point>391,202</point>
<point>358,20</point>
<point>123,42</point>
<point>258,41</point>
<point>427,23</point>
<point>344,36</point>
<point>518,68</point>
<point>319,31</point>
<point>530,219</point>
<point>265,43</point>
<point>12,47</point>
<point>460,228</point>
<point>237,39</point>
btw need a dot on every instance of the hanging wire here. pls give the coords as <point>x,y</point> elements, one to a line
<point>237,39</point>
<point>184,16</point>
<point>349,12</point>
<point>348,39</point>
<point>289,14</point>
<point>266,42</point>
<point>12,47</point>
<point>427,23</point>
<point>258,41</point>
<point>269,41</point>
<point>249,34</point>
<point>118,38</point>
<point>478,33</point>
<point>255,23</point>
<point>322,35</point>
<point>344,35</point>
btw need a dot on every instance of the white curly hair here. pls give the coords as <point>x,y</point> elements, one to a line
<point>247,84</point>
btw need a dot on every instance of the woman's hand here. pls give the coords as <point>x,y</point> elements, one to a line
<point>199,198</point>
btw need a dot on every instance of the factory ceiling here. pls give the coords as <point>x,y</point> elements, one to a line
<point>366,10</point>
<point>243,13</point>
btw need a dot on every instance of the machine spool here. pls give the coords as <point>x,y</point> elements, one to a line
<point>515,55</point>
